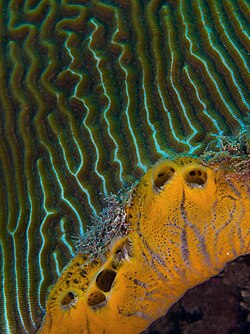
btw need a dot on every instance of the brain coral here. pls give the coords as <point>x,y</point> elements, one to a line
<point>91,94</point>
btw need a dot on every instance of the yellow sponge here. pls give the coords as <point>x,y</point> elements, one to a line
<point>186,220</point>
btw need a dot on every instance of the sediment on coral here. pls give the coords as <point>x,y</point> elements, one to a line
<point>109,225</point>
<point>233,146</point>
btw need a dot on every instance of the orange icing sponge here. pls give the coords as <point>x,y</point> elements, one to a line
<point>186,219</point>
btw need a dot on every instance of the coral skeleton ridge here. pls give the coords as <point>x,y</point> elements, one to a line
<point>186,219</point>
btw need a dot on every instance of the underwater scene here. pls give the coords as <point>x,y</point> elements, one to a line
<point>124,166</point>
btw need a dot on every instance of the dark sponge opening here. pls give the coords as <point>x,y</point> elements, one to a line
<point>105,279</point>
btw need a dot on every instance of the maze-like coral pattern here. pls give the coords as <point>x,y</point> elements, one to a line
<point>93,92</point>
